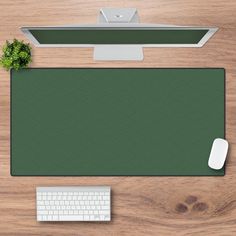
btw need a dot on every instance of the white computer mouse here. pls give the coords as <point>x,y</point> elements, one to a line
<point>218,154</point>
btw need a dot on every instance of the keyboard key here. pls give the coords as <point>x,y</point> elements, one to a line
<point>42,212</point>
<point>55,217</point>
<point>39,218</point>
<point>104,212</point>
<point>71,217</point>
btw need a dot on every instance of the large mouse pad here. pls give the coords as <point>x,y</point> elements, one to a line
<point>115,121</point>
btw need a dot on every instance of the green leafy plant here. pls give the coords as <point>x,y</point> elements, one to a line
<point>16,55</point>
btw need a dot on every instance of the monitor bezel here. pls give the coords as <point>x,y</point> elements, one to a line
<point>204,39</point>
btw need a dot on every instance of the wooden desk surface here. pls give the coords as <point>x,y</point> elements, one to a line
<point>140,205</point>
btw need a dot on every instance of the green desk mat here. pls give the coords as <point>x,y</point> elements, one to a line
<point>115,121</point>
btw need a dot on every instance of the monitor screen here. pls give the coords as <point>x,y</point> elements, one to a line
<point>98,35</point>
<point>117,36</point>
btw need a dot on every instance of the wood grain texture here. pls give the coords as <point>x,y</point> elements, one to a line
<point>140,205</point>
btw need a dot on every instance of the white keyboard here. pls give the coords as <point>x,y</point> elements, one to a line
<point>90,203</point>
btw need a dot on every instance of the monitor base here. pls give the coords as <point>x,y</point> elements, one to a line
<point>118,52</point>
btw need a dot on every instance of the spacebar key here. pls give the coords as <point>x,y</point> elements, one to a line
<point>71,217</point>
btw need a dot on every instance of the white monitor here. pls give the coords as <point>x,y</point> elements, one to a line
<point>118,35</point>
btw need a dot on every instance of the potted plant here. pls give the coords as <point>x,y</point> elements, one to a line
<point>16,55</point>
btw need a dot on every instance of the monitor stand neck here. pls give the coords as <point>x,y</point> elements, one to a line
<point>118,15</point>
<point>118,52</point>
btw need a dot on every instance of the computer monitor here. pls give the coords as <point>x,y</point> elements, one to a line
<point>118,36</point>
